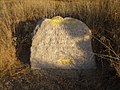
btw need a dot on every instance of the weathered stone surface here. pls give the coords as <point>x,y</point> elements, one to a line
<point>63,43</point>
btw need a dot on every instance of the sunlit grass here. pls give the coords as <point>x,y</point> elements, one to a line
<point>101,16</point>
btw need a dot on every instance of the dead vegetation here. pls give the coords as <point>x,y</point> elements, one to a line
<point>19,17</point>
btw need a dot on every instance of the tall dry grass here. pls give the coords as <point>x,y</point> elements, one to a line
<point>102,17</point>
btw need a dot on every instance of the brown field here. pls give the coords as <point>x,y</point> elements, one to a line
<point>18,19</point>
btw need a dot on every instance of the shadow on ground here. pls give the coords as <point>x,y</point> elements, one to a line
<point>23,33</point>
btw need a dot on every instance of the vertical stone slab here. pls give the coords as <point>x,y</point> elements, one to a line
<point>62,43</point>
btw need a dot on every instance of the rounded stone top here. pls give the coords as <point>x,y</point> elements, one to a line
<point>62,43</point>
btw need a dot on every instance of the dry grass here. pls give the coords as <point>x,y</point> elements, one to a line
<point>18,19</point>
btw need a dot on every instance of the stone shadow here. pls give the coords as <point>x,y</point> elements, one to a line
<point>24,32</point>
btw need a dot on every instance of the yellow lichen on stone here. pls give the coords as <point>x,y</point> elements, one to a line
<point>56,20</point>
<point>70,22</point>
<point>68,60</point>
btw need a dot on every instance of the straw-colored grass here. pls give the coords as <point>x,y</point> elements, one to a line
<point>102,17</point>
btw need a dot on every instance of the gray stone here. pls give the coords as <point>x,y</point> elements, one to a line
<point>62,43</point>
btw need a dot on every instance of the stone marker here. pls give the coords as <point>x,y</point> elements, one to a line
<point>62,43</point>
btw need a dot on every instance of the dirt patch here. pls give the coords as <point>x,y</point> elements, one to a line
<point>47,80</point>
